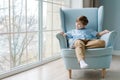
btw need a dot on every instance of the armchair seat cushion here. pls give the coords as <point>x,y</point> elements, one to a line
<point>96,52</point>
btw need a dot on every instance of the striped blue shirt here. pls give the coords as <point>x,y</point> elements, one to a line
<point>84,34</point>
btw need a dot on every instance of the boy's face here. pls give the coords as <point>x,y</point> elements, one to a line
<point>79,25</point>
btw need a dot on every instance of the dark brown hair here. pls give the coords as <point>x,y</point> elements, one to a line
<point>83,20</point>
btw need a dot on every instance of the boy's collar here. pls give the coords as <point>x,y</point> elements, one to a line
<point>81,28</point>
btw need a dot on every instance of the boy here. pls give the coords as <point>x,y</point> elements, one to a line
<point>83,38</point>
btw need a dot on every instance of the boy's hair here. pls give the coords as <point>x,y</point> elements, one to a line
<point>83,20</point>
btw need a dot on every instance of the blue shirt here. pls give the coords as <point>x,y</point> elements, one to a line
<point>84,34</point>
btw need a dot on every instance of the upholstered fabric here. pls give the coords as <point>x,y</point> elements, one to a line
<point>97,58</point>
<point>68,18</point>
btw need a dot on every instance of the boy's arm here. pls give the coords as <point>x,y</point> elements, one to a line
<point>68,34</point>
<point>102,33</point>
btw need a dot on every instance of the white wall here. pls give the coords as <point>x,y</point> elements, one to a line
<point>76,3</point>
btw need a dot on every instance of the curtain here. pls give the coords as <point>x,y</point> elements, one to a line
<point>90,3</point>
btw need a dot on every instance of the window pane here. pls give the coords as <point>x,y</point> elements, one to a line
<point>18,44</point>
<point>4,16</point>
<point>32,48</point>
<point>32,15</point>
<point>47,44</point>
<point>56,46</point>
<point>24,16</point>
<point>56,17</point>
<point>47,16</point>
<point>18,14</point>
<point>56,22</point>
<point>4,53</point>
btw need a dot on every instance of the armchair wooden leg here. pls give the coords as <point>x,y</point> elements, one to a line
<point>103,72</point>
<point>70,72</point>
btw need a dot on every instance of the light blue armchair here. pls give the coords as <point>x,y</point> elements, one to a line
<point>97,58</point>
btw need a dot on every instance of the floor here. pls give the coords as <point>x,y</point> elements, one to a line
<point>56,71</point>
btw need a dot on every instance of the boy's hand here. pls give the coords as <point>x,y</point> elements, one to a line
<point>63,33</point>
<point>103,32</point>
<point>106,31</point>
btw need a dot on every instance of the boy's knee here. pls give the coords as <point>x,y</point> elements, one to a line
<point>79,43</point>
<point>100,41</point>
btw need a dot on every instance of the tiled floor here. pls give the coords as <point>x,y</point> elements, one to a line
<point>56,71</point>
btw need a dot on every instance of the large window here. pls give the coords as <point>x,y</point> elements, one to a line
<point>20,42</point>
<point>51,26</point>
<point>18,33</point>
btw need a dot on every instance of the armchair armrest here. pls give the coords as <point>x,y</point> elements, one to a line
<point>109,38</point>
<point>62,40</point>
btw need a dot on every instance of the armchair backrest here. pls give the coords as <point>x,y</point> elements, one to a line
<point>94,15</point>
